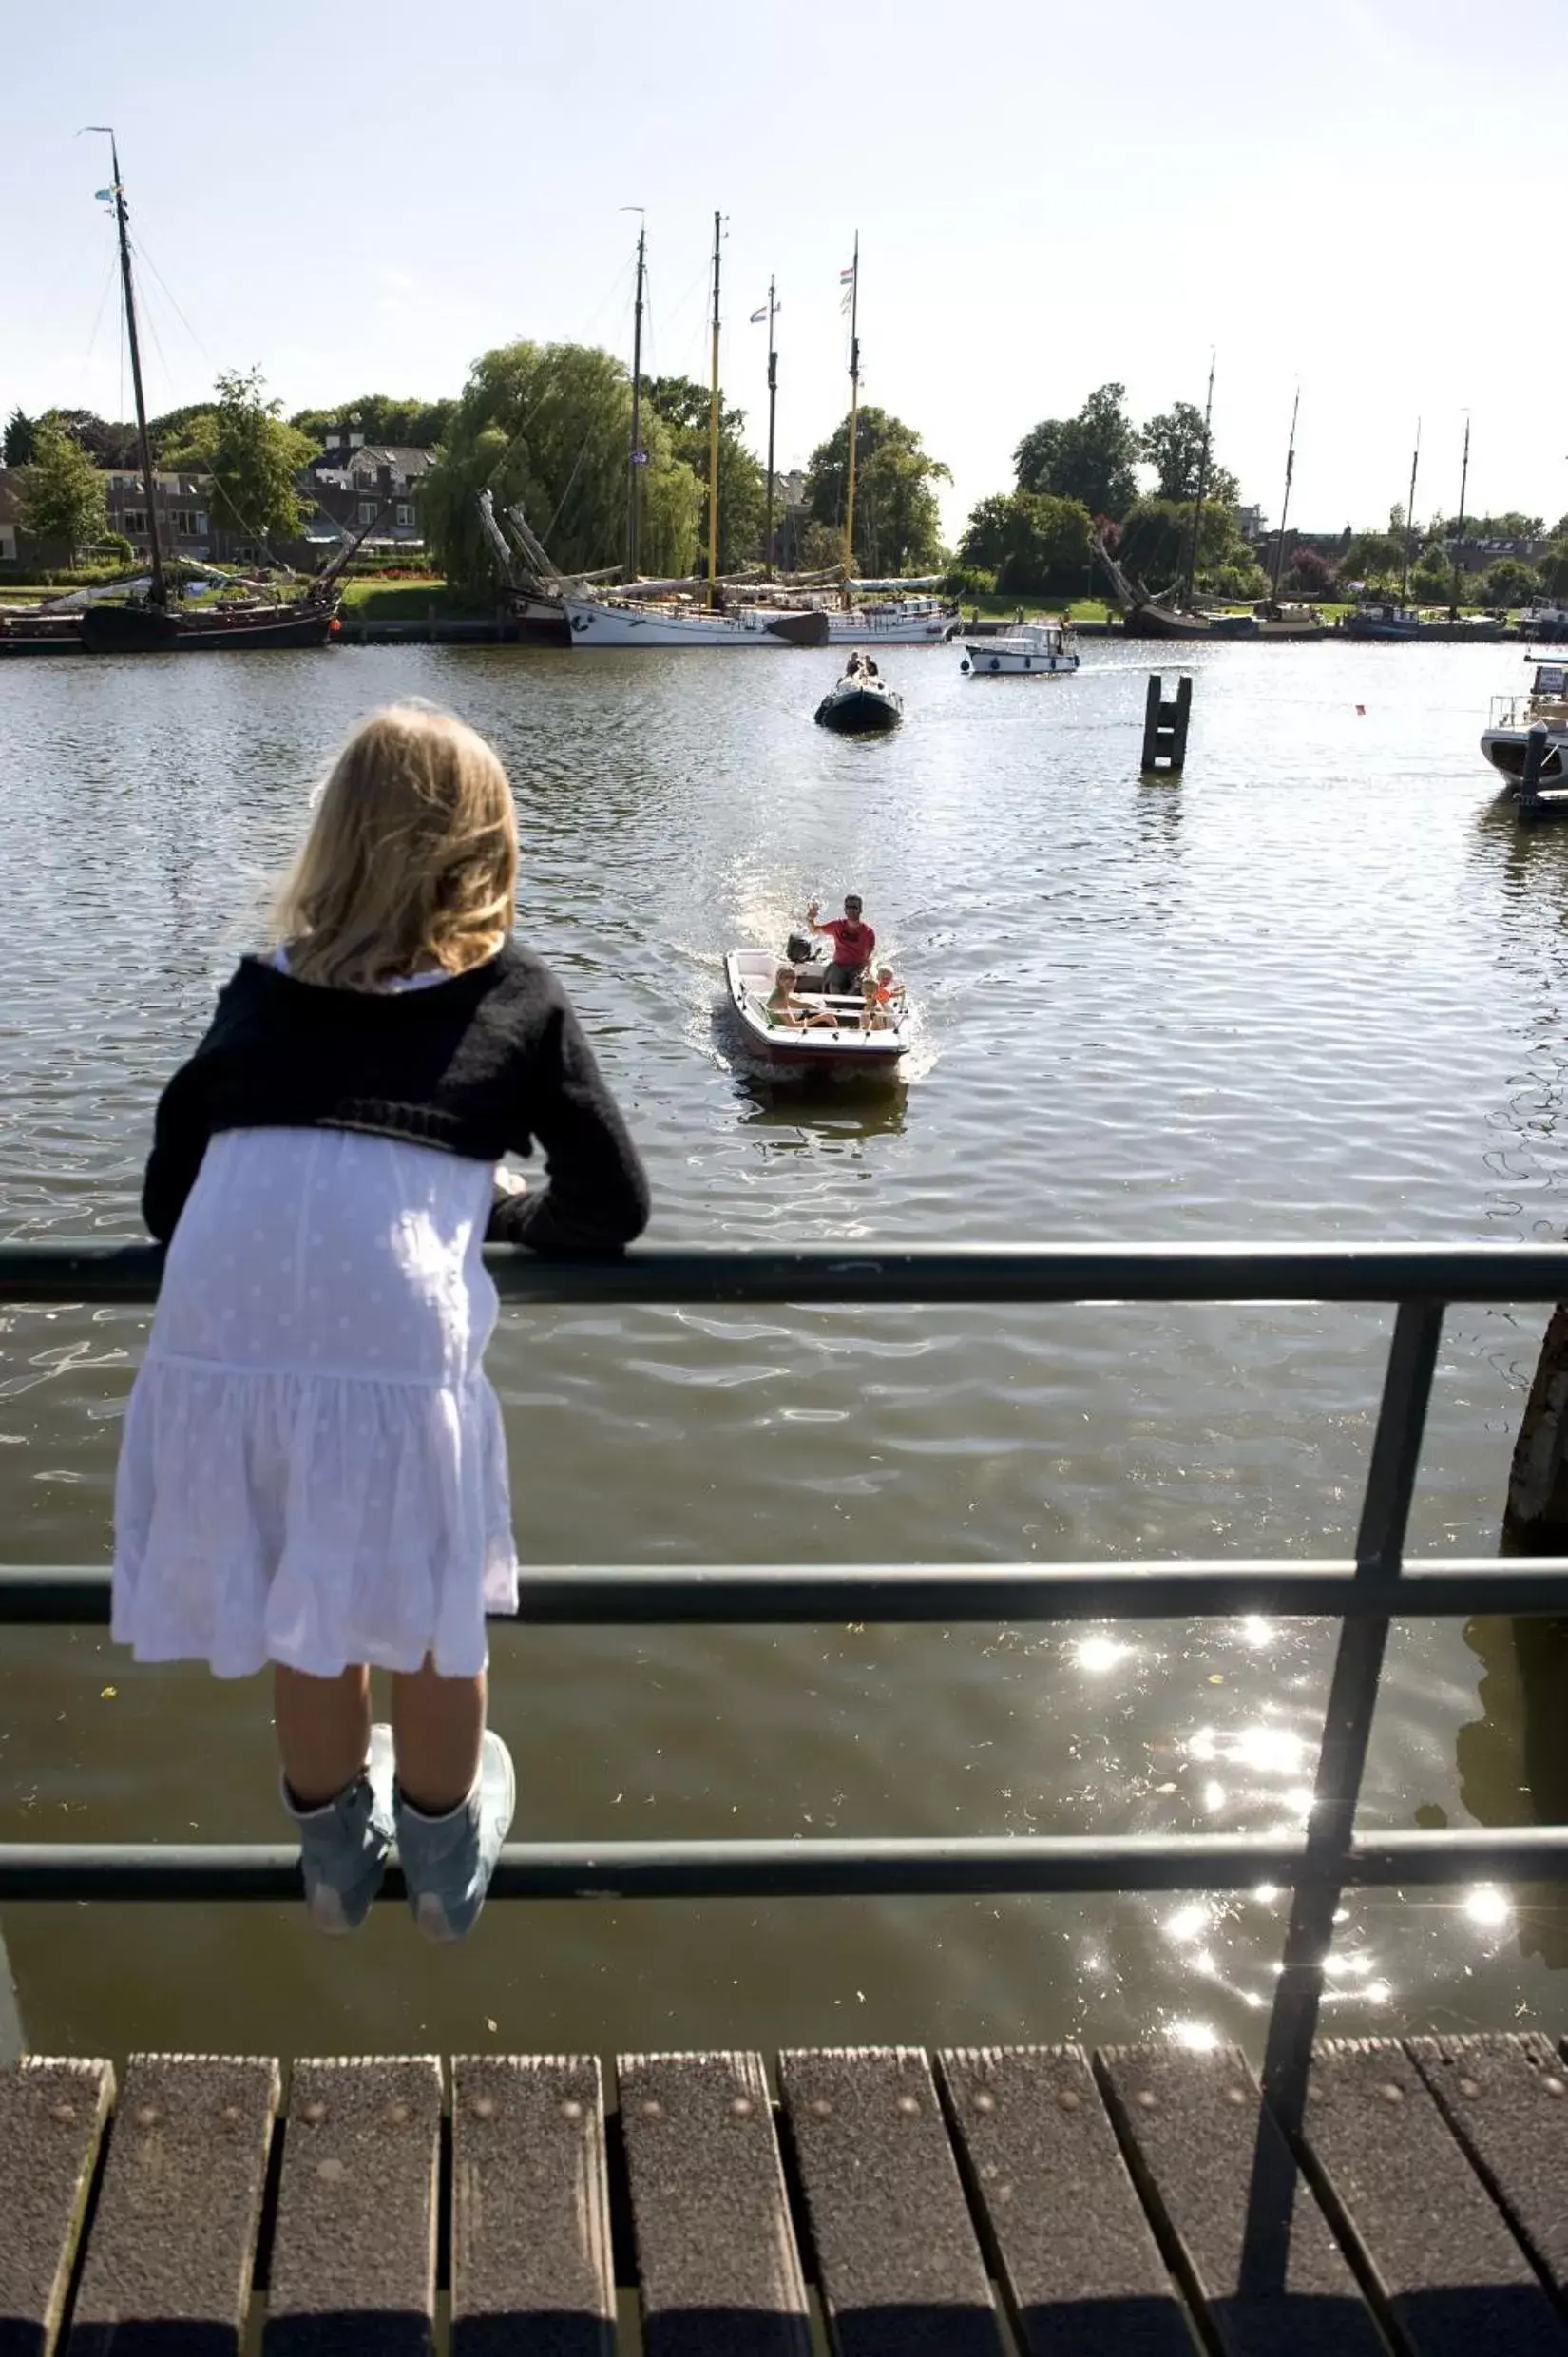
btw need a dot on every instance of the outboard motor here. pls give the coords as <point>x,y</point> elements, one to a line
<point>799,950</point>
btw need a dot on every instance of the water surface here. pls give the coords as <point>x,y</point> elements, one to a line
<point>1311,990</point>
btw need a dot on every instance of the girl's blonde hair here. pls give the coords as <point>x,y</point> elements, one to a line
<point>410,862</point>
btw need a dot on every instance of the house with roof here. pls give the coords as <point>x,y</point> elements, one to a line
<point>354,483</point>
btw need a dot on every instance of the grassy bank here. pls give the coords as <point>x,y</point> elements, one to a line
<point>405,600</point>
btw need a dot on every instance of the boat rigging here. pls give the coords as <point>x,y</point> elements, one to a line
<point>854,416</point>
<point>151,626</point>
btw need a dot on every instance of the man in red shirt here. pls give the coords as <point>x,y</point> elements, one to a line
<point>853,944</point>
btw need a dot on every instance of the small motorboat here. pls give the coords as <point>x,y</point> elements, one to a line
<point>846,1041</point>
<point>861,704</point>
<point>1506,737</point>
<point>1037,647</point>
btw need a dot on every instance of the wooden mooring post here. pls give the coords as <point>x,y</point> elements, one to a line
<point>1165,728</point>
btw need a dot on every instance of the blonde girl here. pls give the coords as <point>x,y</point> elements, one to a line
<point>313,1473</point>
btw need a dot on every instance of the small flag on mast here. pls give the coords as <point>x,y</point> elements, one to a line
<point>846,277</point>
<point>846,280</point>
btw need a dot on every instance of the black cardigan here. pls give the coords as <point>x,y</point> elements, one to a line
<point>479,1065</point>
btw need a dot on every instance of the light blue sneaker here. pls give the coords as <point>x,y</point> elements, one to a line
<point>447,1861</point>
<point>343,1845</point>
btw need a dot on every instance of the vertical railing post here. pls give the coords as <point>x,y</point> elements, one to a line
<point>1336,1792</point>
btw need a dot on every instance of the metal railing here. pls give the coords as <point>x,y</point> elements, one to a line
<point>1364,1592</point>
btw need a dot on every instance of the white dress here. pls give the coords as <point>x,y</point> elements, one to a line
<point>314,1470</point>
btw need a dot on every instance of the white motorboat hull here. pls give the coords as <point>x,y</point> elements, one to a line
<point>1506,749</point>
<point>1040,652</point>
<point>595,621</point>
<point>750,976</point>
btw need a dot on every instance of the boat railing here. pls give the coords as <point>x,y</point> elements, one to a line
<point>1364,1590</point>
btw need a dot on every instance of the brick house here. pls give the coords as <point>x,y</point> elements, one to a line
<point>187,526</point>
<point>17,551</point>
<point>355,483</point>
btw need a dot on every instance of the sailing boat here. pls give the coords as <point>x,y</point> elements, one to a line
<point>155,625</point>
<point>1147,617</point>
<point>897,620</point>
<point>629,620</point>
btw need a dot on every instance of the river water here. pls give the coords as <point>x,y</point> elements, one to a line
<point>1312,991</point>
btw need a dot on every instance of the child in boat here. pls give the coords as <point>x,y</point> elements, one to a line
<point>313,1473</point>
<point>889,990</point>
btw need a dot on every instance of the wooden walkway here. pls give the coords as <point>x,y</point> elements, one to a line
<point>888,2205</point>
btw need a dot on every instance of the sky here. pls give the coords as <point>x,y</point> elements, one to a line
<point>1358,195</point>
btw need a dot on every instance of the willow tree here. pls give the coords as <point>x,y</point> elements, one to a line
<point>549,426</point>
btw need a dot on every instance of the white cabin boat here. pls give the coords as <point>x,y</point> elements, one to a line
<point>625,622</point>
<point>902,622</point>
<point>846,1043</point>
<point>1544,705</point>
<point>1040,648</point>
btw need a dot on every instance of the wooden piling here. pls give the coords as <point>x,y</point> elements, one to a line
<point>1165,728</point>
<point>1534,1521</point>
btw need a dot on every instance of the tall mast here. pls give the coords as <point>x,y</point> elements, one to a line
<point>1409,518</point>
<point>713,437</point>
<point>1202,486</point>
<point>1285,502</point>
<point>854,416</point>
<point>158,593</point>
<point>1459,527</point>
<point>635,461</point>
<point>773,404</point>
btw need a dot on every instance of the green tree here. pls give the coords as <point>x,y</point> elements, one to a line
<point>1554,568</point>
<point>1511,524</point>
<point>1172,445</point>
<point>252,456</point>
<point>17,448</point>
<point>1089,458</point>
<point>1028,540</point>
<point>682,403</point>
<point>549,426</point>
<point>106,445</point>
<point>1509,582</point>
<point>1156,537</point>
<point>61,490</point>
<point>1376,558</point>
<point>1432,575</point>
<point>381,418</point>
<point>897,523</point>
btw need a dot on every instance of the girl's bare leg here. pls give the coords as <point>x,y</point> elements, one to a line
<point>323,1730</point>
<point>438,1724</point>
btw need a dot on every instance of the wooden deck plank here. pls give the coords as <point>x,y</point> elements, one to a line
<point>174,2236</point>
<point>353,2257</point>
<point>901,2270</point>
<point>532,2272</point>
<point>1506,2099</point>
<point>1074,2254</point>
<point>51,2121</point>
<point>1192,2125</point>
<point>1441,2252</point>
<point>717,2265</point>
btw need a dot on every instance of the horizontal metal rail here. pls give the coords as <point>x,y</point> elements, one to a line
<point>645,1596</point>
<point>1008,1274</point>
<point>977,1866</point>
<point>1365,1592</point>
